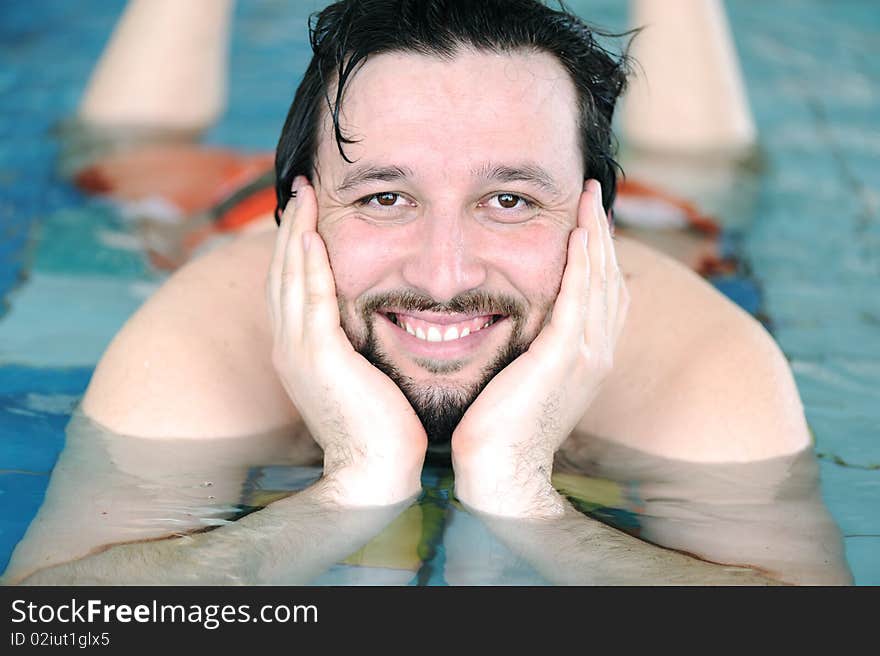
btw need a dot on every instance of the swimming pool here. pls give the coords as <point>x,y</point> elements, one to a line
<point>71,273</point>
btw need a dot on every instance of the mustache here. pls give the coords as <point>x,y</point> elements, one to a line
<point>470,302</point>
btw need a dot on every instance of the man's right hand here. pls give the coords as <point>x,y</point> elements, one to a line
<point>374,444</point>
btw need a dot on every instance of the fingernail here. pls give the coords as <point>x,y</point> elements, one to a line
<point>599,207</point>
<point>296,185</point>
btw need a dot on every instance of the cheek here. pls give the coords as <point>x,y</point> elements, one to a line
<point>534,261</point>
<point>359,256</point>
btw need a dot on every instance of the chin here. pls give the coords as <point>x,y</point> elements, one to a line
<point>442,377</point>
<point>441,398</point>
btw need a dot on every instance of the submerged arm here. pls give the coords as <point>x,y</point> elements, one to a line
<point>373,444</point>
<point>572,549</point>
<point>737,404</point>
<point>291,542</point>
<point>127,510</point>
<point>765,519</point>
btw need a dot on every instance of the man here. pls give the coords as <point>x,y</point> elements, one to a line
<point>444,278</point>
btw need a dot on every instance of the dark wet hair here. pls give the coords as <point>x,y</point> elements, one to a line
<point>344,34</point>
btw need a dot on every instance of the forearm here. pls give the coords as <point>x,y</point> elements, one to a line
<point>164,66</point>
<point>290,542</point>
<point>573,549</point>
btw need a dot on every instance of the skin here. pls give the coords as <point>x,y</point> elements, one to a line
<point>624,343</point>
<point>448,234</point>
<point>446,224</point>
<point>668,373</point>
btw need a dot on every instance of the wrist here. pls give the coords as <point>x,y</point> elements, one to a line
<point>512,499</point>
<point>373,472</point>
<point>358,485</point>
<point>504,481</point>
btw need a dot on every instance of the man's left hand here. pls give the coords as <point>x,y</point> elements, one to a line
<point>503,448</point>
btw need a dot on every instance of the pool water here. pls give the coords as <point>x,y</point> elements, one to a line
<point>71,271</point>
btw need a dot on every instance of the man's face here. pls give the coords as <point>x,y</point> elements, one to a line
<point>447,234</point>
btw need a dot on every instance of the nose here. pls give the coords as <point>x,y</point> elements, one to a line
<point>446,261</point>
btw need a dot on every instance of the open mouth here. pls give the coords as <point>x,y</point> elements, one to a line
<point>444,329</point>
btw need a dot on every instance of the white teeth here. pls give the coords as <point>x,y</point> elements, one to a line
<point>434,335</point>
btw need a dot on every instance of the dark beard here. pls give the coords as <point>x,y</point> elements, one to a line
<point>440,408</point>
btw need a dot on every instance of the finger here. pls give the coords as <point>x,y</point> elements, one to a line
<point>598,224</point>
<point>304,219</point>
<point>618,294</point>
<point>570,309</point>
<point>595,326</point>
<point>613,277</point>
<point>273,281</point>
<point>320,306</point>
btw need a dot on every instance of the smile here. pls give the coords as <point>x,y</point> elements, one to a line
<point>441,328</point>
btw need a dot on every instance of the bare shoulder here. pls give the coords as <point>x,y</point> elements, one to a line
<point>695,377</point>
<point>195,360</point>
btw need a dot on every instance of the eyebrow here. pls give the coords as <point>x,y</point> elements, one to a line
<point>526,172</point>
<point>359,175</point>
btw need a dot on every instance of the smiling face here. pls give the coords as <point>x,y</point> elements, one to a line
<point>447,234</point>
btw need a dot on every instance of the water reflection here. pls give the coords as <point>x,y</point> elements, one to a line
<point>117,490</point>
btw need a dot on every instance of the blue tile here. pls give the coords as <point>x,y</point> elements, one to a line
<point>853,497</point>
<point>20,497</point>
<point>861,552</point>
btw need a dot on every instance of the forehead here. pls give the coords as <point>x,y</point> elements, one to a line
<point>406,108</point>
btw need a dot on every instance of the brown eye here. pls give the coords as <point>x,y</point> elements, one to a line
<point>508,201</point>
<point>387,205</point>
